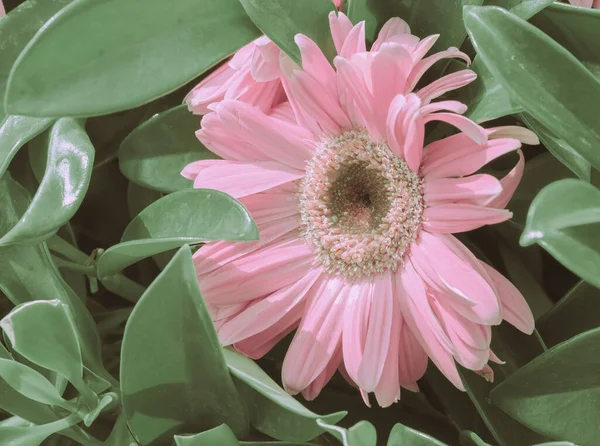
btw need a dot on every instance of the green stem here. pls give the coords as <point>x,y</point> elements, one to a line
<point>69,251</point>
<point>88,270</point>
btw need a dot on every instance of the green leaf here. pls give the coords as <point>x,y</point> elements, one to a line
<point>120,435</point>
<point>154,154</point>
<point>576,312</point>
<point>17,29</point>
<point>557,393</point>
<point>560,149</point>
<point>16,131</point>
<point>53,344</point>
<point>184,217</point>
<point>543,77</point>
<point>139,198</point>
<point>28,274</point>
<point>173,375</point>
<point>362,433</point>
<point>221,435</point>
<point>402,435</point>
<point>281,20</point>
<point>468,438</point>
<point>147,53</point>
<point>61,191</point>
<point>564,219</point>
<point>273,411</point>
<point>526,9</point>
<point>31,384</point>
<point>35,435</point>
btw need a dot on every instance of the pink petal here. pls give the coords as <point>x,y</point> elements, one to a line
<point>210,89</point>
<point>242,179</point>
<point>340,28</point>
<point>453,106</point>
<point>387,391</point>
<point>412,361</point>
<point>354,94</point>
<point>355,41</point>
<point>582,3</point>
<point>222,142</point>
<point>269,206</point>
<point>265,312</point>
<point>421,67</point>
<point>262,272</point>
<point>356,320</point>
<point>283,112</point>
<point>315,63</point>
<point>451,218</point>
<point>318,336</point>
<point>315,387</point>
<point>447,274</point>
<point>377,341</point>
<point>509,183</point>
<point>465,125</point>
<point>192,170</point>
<point>265,60</point>
<point>516,309</point>
<point>405,129</point>
<point>390,29</point>
<point>445,84</point>
<point>423,47</point>
<point>475,189</point>
<point>524,135</point>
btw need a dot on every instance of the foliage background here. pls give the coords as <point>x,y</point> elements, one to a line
<point>93,214</point>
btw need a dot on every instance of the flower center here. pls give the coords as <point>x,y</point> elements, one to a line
<point>361,206</point>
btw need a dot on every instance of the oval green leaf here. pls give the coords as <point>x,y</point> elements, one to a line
<point>281,20</point>
<point>564,219</point>
<point>173,376</point>
<point>221,435</point>
<point>184,217</point>
<point>35,435</point>
<point>274,412</point>
<point>155,153</point>
<point>402,435</point>
<point>15,131</point>
<point>147,53</point>
<point>543,77</point>
<point>558,393</point>
<point>62,189</point>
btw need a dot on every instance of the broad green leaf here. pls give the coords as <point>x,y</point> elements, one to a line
<point>558,393</point>
<point>560,149</point>
<point>402,435</point>
<point>16,131</point>
<point>120,435</point>
<point>53,344</point>
<point>31,384</point>
<point>139,198</point>
<point>17,29</point>
<point>35,435</point>
<point>576,312</point>
<point>147,53</point>
<point>564,219</point>
<point>221,435</point>
<point>543,77</point>
<point>61,191</point>
<point>173,376</point>
<point>154,154</point>
<point>28,274</point>
<point>184,217</point>
<point>274,412</point>
<point>526,9</point>
<point>281,20</point>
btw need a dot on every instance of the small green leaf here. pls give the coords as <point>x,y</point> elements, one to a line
<point>402,435</point>
<point>281,20</point>
<point>221,435</point>
<point>16,131</point>
<point>35,435</point>
<point>31,384</point>
<point>147,53</point>
<point>184,217</point>
<point>564,219</point>
<point>173,375</point>
<point>558,393</point>
<point>543,77</point>
<point>274,412</point>
<point>468,438</point>
<point>362,433</point>
<point>154,154</point>
<point>61,191</point>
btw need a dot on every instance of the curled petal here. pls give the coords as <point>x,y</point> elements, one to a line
<point>445,84</point>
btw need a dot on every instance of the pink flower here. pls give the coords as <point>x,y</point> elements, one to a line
<point>586,3</point>
<point>355,216</point>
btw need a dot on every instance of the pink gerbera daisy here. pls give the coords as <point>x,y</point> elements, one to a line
<point>355,216</point>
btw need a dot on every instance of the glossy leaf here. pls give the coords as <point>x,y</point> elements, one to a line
<point>61,191</point>
<point>184,217</point>
<point>28,274</point>
<point>16,131</point>
<point>281,20</point>
<point>274,412</point>
<point>221,435</point>
<point>402,435</point>
<point>155,153</point>
<point>120,435</point>
<point>564,219</point>
<point>561,385</point>
<point>17,29</point>
<point>138,198</point>
<point>35,435</point>
<point>468,438</point>
<point>543,77</point>
<point>130,65</point>
<point>31,384</point>
<point>173,375</point>
<point>361,434</point>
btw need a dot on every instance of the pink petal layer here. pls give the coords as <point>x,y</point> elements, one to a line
<point>451,218</point>
<point>475,189</point>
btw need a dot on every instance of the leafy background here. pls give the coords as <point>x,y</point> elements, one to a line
<point>106,337</point>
